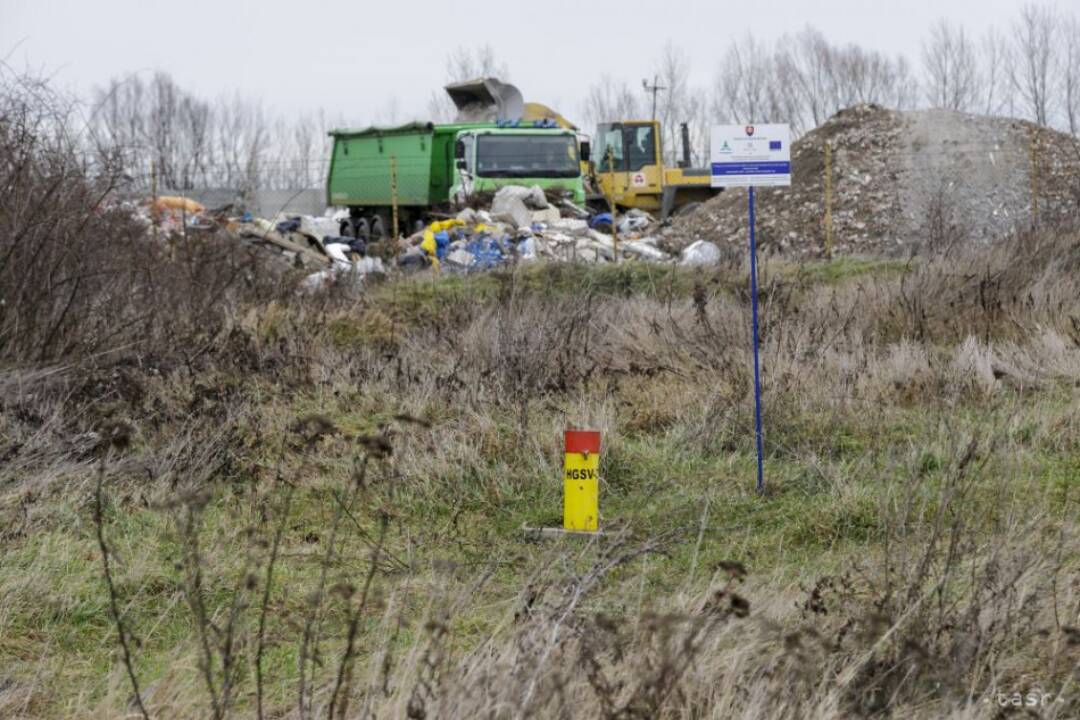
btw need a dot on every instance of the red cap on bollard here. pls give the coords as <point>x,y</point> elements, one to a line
<point>583,441</point>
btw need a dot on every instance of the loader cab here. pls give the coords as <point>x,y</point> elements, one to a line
<point>628,169</point>
<point>627,146</point>
<point>627,163</point>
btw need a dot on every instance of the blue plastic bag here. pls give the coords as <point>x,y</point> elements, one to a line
<point>601,219</point>
<point>486,251</point>
<point>442,242</point>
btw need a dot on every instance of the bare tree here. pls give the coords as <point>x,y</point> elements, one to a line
<point>609,101</point>
<point>806,64</point>
<point>466,63</point>
<point>192,145</point>
<point>306,143</point>
<point>1070,73</point>
<point>994,61</point>
<point>700,122</point>
<point>674,102</point>
<point>864,76</point>
<point>677,102</point>
<point>161,126</point>
<point>785,102</point>
<point>154,125</point>
<point>241,139</point>
<point>157,130</point>
<point>950,67</point>
<point>117,129</point>
<point>1032,67</point>
<point>741,89</point>
<point>903,90</point>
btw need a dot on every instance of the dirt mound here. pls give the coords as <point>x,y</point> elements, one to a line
<point>902,181</point>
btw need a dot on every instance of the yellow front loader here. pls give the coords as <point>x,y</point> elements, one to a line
<point>628,168</point>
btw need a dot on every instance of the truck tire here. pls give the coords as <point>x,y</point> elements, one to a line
<point>378,228</point>
<point>360,229</point>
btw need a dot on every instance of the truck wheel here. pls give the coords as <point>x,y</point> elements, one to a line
<point>360,229</point>
<point>378,229</point>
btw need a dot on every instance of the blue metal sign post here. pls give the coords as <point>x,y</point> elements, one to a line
<point>748,156</point>
<point>757,360</point>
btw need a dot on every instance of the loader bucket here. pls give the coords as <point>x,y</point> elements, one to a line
<point>539,111</point>
<point>486,100</point>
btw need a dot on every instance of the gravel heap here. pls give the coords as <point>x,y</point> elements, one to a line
<point>901,181</point>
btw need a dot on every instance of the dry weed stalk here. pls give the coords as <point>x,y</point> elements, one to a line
<point>122,634</point>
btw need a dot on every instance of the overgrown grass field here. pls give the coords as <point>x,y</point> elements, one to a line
<point>319,507</point>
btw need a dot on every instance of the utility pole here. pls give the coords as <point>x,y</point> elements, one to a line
<point>653,89</point>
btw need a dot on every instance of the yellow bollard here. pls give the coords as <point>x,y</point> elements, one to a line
<point>581,481</point>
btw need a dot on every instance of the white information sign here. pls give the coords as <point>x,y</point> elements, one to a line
<point>751,155</point>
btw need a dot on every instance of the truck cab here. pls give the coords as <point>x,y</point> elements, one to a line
<point>489,158</point>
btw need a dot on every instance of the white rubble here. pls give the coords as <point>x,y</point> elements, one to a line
<point>701,252</point>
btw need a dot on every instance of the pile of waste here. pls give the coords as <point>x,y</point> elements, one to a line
<point>169,214</point>
<point>307,240</point>
<point>900,181</point>
<point>521,224</point>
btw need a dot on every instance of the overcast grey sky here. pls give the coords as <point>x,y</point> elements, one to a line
<point>352,57</point>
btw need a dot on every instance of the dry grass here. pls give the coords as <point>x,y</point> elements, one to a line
<point>312,507</point>
<point>345,512</point>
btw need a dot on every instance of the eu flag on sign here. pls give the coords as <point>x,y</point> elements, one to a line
<point>774,144</point>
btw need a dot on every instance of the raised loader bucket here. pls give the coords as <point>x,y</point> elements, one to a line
<point>486,100</point>
<point>539,111</point>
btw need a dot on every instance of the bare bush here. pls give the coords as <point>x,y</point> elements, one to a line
<point>79,275</point>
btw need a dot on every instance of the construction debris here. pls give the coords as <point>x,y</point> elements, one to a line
<point>291,245</point>
<point>167,203</point>
<point>701,252</point>
<point>634,220</point>
<point>521,206</point>
<point>522,225</point>
<point>899,181</point>
<point>356,272</point>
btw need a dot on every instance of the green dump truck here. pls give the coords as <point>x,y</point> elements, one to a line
<point>429,168</point>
